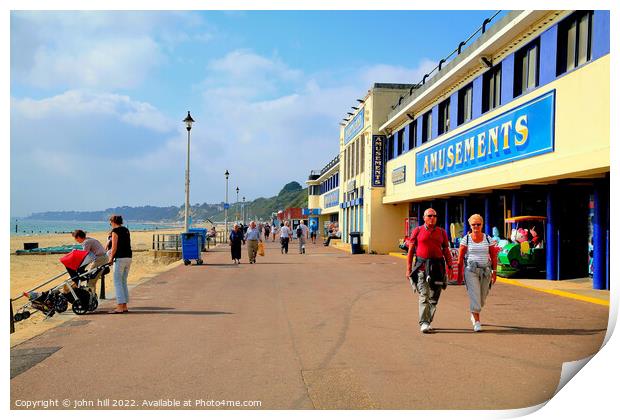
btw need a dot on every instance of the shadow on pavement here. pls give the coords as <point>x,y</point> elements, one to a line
<point>510,329</point>
<point>163,310</point>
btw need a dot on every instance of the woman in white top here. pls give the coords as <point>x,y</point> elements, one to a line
<point>477,263</point>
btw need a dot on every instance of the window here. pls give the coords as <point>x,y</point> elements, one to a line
<point>401,142</point>
<point>574,41</point>
<point>465,103</point>
<point>390,148</point>
<point>444,117</point>
<point>491,88</point>
<point>526,68</point>
<point>413,134</point>
<point>363,141</point>
<point>427,126</point>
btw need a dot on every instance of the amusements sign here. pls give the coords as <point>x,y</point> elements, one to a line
<point>520,133</point>
<point>354,127</point>
<point>330,199</point>
<point>378,169</point>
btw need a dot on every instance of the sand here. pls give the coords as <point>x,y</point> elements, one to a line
<point>29,270</point>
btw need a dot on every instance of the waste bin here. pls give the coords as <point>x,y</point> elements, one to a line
<point>356,243</point>
<point>203,235</point>
<point>191,246</point>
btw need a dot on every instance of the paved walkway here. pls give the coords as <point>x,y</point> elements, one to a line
<point>322,330</point>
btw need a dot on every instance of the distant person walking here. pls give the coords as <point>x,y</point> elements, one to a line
<point>267,230</point>
<point>314,227</point>
<point>94,247</point>
<point>285,237</point>
<point>120,254</point>
<point>429,243</point>
<point>477,264</point>
<point>235,239</point>
<point>252,237</point>
<point>302,235</point>
<point>274,232</point>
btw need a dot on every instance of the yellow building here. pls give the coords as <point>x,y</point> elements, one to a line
<point>515,124</point>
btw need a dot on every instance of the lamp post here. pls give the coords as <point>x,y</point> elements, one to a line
<point>226,174</point>
<point>237,206</point>
<point>243,210</point>
<point>188,125</point>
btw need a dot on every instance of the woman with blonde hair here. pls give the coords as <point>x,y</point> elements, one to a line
<point>477,264</point>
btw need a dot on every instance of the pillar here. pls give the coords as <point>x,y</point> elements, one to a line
<point>600,237</point>
<point>465,216</point>
<point>488,223</point>
<point>551,244</point>
<point>446,218</point>
<point>515,206</point>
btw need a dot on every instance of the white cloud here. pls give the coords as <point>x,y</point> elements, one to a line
<point>383,73</point>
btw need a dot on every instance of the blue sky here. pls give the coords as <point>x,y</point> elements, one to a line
<point>97,98</point>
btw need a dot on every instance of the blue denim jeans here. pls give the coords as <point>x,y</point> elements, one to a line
<point>121,271</point>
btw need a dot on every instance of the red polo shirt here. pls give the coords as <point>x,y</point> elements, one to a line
<point>431,243</point>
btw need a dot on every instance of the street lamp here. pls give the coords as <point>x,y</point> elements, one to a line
<point>243,211</point>
<point>237,206</point>
<point>226,174</point>
<point>188,125</point>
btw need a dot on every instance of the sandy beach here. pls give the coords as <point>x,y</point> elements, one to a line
<point>29,270</point>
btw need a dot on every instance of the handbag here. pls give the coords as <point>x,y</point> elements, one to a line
<point>261,249</point>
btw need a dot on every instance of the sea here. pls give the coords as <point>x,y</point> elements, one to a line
<point>20,227</point>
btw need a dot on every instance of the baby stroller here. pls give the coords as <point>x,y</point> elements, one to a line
<point>72,291</point>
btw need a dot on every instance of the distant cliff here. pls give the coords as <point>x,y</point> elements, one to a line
<point>291,195</point>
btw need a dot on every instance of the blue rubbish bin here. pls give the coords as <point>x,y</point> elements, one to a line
<point>356,243</point>
<point>191,247</point>
<point>203,236</point>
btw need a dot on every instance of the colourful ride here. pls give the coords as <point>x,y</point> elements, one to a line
<point>526,250</point>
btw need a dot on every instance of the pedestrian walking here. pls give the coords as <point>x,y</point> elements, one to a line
<point>267,231</point>
<point>120,254</point>
<point>314,227</point>
<point>302,235</point>
<point>429,244</point>
<point>477,264</point>
<point>285,237</point>
<point>252,237</point>
<point>235,239</point>
<point>274,232</point>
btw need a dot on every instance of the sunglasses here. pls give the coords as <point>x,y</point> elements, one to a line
<point>476,224</point>
<point>430,215</point>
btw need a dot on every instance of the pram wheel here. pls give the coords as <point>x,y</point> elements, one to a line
<point>199,262</point>
<point>94,303</point>
<point>18,317</point>
<point>26,314</point>
<point>61,304</point>
<point>78,308</point>
<point>187,262</point>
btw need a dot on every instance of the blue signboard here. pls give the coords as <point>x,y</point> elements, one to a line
<point>520,133</point>
<point>354,126</point>
<point>378,163</point>
<point>308,212</point>
<point>226,206</point>
<point>331,199</point>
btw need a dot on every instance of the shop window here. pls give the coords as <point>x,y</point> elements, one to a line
<point>444,117</point>
<point>491,88</point>
<point>427,127</point>
<point>413,134</point>
<point>526,68</point>
<point>574,41</point>
<point>465,103</point>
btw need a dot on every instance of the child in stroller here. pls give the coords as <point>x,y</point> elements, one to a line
<point>73,290</point>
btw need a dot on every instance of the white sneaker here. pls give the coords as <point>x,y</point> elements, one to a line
<point>425,327</point>
<point>477,327</point>
<point>473,320</point>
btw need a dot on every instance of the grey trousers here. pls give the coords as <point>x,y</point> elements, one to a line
<point>428,297</point>
<point>477,290</point>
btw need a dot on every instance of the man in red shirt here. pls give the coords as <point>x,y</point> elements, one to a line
<point>429,243</point>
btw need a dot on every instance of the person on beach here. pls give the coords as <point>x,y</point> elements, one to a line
<point>252,237</point>
<point>120,254</point>
<point>429,243</point>
<point>302,235</point>
<point>235,239</point>
<point>93,246</point>
<point>285,237</point>
<point>477,264</point>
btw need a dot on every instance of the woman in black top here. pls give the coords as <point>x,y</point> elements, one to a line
<point>120,255</point>
<point>236,237</point>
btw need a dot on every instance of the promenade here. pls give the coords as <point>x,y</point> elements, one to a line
<point>324,330</point>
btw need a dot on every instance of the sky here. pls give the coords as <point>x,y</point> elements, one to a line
<point>97,98</point>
